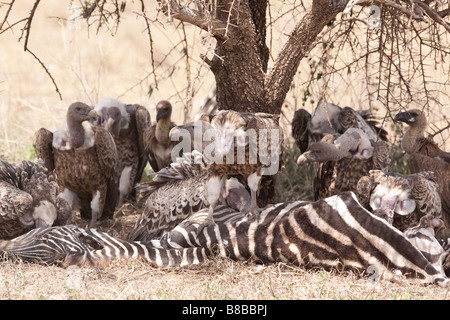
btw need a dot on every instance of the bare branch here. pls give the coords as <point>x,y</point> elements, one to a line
<point>197,18</point>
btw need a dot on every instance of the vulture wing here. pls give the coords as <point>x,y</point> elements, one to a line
<point>441,169</point>
<point>300,129</point>
<point>108,162</point>
<point>174,194</point>
<point>143,121</point>
<point>44,148</point>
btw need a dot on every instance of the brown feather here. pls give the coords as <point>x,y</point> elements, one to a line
<point>88,171</point>
<point>330,120</point>
<point>29,192</point>
<point>420,188</point>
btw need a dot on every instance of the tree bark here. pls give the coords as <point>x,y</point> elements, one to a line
<point>241,55</point>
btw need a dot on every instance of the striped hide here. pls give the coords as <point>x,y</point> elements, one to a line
<point>336,232</point>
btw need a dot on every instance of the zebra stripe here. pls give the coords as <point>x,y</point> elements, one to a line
<point>336,232</point>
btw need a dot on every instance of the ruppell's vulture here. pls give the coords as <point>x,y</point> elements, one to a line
<point>84,158</point>
<point>157,142</point>
<point>29,198</point>
<point>402,199</point>
<point>335,172</point>
<point>248,145</point>
<point>126,123</point>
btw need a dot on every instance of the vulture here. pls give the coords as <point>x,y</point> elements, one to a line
<point>178,191</point>
<point>425,155</point>
<point>29,198</point>
<point>343,145</point>
<point>347,158</point>
<point>414,141</point>
<point>401,199</point>
<point>257,156</point>
<point>84,159</point>
<point>127,124</point>
<point>157,142</point>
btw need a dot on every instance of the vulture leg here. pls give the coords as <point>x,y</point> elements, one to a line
<point>214,188</point>
<point>97,205</point>
<point>254,181</point>
<point>125,184</point>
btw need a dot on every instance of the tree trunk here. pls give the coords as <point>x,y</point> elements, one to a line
<point>241,55</point>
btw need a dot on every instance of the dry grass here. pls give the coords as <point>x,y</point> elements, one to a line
<point>221,279</point>
<point>88,67</point>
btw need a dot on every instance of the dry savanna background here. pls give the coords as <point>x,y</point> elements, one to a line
<point>89,64</point>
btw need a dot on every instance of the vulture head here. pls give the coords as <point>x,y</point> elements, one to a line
<point>393,196</point>
<point>163,110</point>
<point>403,198</point>
<point>113,118</point>
<point>353,142</point>
<point>77,113</point>
<point>44,215</point>
<point>320,152</point>
<point>414,117</point>
<point>110,108</point>
<point>228,126</point>
<point>236,195</point>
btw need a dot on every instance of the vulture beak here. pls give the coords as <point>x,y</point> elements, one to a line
<point>388,203</point>
<point>303,158</point>
<point>404,117</point>
<point>162,113</point>
<point>110,122</point>
<point>93,115</point>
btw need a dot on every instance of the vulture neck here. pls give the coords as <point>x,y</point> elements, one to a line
<point>162,130</point>
<point>337,154</point>
<point>76,133</point>
<point>415,131</point>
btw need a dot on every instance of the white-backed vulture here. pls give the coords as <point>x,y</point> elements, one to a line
<point>344,161</point>
<point>414,141</point>
<point>126,123</point>
<point>29,198</point>
<point>403,199</point>
<point>330,120</point>
<point>441,170</point>
<point>178,191</point>
<point>157,142</point>
<point>425,155</point>
<point>84,158</point>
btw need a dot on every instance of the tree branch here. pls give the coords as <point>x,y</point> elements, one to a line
<point>195,17</point>
<point>297,47</point>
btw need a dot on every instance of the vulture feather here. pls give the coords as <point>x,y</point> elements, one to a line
<point>338,168</point>
<point>126,123</point>
<point>178,191</point>
<point>425,155</point>
<point>257,156</point>
<point>84,159</point>
<point>402,199</point>
<point>441,170</point>
<point>345,161</point>
<point>29,197</point>
<point>414,140</point>
<point>157,142</point>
